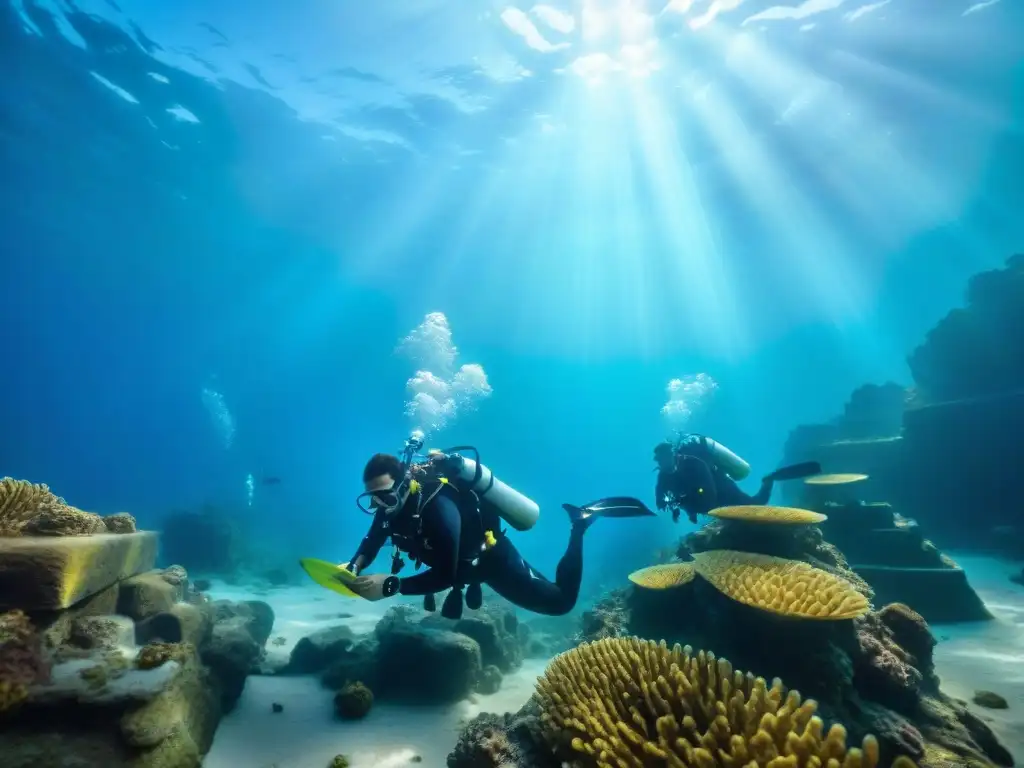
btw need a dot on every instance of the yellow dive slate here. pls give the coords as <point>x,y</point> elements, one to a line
<point>330,576</point>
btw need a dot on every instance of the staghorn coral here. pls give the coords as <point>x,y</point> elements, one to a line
<point>156,654</point>
<point>752,513</point>
<point>781,586</point>
<point>630,703</point>
<point>22,662</point>
<point>663,576</point>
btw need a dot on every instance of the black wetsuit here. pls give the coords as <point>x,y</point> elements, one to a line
<point>700,487</point>
<point>448,538</point>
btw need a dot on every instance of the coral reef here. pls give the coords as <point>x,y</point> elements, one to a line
<point>353,702</point>
<point>794,611</point>
<point>623,701</point>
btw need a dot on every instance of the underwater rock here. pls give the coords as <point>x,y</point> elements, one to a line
<point>119,522</point>
<point>100,711</point>
<point>495,627</point>
<point>503,741</point>
<point>240,632</point>
<point>40,574</point>
<point>181,623</point>
<point>426,665</point>
<point>489,681</point>
<point>356,663</point>
<point>65,521</point>
<point>608,618</point>
<point>989,700</point>
<point>958,358</point>
<point>873,411</point>
<point>319,650</point>
<point>101,632</point>
<point>145,595</point>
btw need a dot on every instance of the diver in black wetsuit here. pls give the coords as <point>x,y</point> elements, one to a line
<point>694,475</point>
<point>457,534</point>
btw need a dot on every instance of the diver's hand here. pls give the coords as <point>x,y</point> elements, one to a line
<point>376,586</point>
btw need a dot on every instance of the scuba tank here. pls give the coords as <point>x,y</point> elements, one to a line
<point>517,510</point>
<point>731,464</point>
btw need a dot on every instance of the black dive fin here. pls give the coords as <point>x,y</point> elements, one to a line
<point>613,506</point>
<point>796,471</point>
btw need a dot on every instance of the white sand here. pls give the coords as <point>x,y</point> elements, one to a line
<point>307,734</point>
<point>988,655</point>
<point>969,657</point>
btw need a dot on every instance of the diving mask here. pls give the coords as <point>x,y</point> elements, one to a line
<point>386,500</point>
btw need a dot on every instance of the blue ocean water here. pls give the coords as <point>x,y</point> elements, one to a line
<point>262,200</point>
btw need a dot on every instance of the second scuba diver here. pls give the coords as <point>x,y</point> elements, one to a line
<point>446,513</point>
<point>697,474</point>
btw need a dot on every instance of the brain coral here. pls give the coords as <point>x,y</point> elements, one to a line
<point>631,703</point>
<point>785,587</point>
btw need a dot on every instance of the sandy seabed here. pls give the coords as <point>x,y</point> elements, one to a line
<point>969,657</point>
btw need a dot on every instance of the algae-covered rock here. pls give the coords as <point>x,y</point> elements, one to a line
<point>240,632</point>
<point>320,650</point>
<point>431,665</point>
<point>54,573</point>
<point>145,595</point>
<point>119,522</point>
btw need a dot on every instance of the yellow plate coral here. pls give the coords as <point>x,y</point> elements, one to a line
<point>841,478</point>
<point>624,702</point>
<point>784,587</point>
<point>753,513</point>
<point>663,576</point>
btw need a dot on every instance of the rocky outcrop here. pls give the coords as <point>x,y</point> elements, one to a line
<point>950,460</point>
<point>106,660</point>
<point>53,573</point>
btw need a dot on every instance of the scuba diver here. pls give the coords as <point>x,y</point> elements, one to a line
<point>446,513</point>
<point>697,474</point>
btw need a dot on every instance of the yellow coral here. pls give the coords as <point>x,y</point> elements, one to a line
<point>631,703</point>
<point>785,587</point>
<point>840,478</point>
<point>763,514</point>
<point>663,576</point>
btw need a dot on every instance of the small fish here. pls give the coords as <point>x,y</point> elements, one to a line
<point>271,480</point>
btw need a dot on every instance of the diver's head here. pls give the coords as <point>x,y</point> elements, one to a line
<point>385,485</point>
<point>664,456</point>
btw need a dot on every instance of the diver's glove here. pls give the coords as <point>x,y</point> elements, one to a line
<point>376,586</point>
